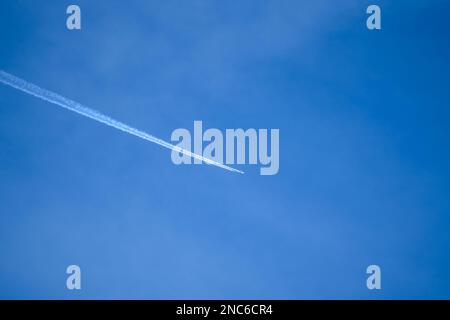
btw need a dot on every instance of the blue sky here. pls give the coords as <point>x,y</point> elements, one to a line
<point>364,158</point>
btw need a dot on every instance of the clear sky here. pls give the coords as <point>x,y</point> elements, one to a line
<point>364,150</point>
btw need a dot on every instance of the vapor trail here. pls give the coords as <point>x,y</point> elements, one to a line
<point>59,100</point>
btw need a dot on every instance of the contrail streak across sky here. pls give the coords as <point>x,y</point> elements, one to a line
<point>74,106</point>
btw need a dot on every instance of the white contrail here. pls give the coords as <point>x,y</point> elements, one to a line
<point>59,100</point>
